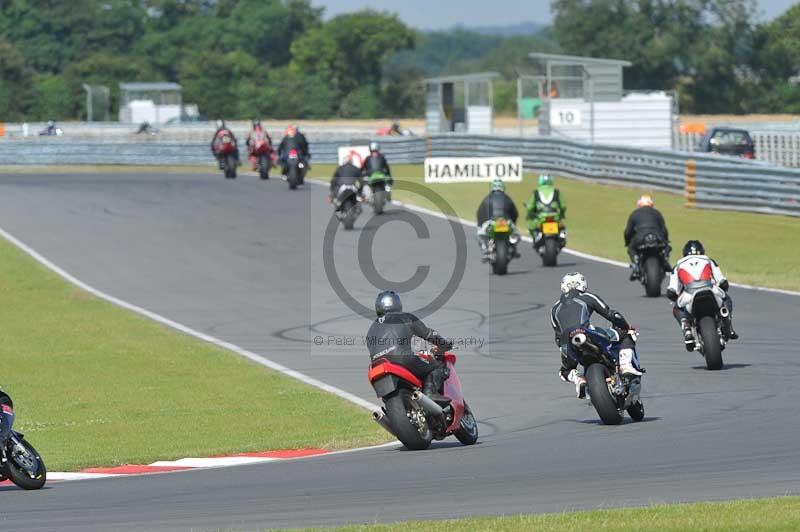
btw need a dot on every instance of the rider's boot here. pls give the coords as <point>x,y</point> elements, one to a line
<point>635,274</point>
<point>434,382</point>
<point>688,337</point>
<point>6,421</point>
<point>578,380</point>
<point>626,362</point>
<point>729,332</point>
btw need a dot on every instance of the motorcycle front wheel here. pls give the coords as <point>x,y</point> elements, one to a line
<point>24,467</point>
<point>400,409</point>
<point>467,432</point>
<point>601,397</point>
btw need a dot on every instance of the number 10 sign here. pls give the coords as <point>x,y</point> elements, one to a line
<point>565,117</point>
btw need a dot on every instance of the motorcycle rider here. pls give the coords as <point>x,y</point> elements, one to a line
<point>545,201</point>
<point>346,174</point>
<point>390,338</point>
<point>376,162</point>
<point>496,204</point>
<point>573,310</point>
<point>50,129</point>
<point>6,416</point>
<point>256,129</point>
<point>222,130</point>
<point>693,250</point>
<point>644,220</point>
<point>293,140</point>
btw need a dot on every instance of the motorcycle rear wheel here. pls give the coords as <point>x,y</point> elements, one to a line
<point>600,395</point>
<point>712,349</point>
<point>653,275</point>
<point>378,201</point>
<point>398,407</point>
<point>263,167</point>
<point>500,264</point>
<point>230,167</point>
<point>550,256</point>
<point>467,432</point>
<point>19,475</point>
<point>349,209</point>
<point>292,177</point>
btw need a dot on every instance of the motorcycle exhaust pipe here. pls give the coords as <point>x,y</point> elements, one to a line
<point>428,405</point>
<point>579,339</point>
<point>724,312</point>
<point>381,419</point>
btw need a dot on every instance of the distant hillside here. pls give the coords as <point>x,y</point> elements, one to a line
<point>522,28</point>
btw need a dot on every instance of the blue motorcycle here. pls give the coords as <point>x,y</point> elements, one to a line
<point>611,392</point>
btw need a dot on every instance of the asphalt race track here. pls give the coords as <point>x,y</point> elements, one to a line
<point>243,260</point>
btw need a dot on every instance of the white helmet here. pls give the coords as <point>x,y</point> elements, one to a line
<point>574,281</point>
<point>374,146</point>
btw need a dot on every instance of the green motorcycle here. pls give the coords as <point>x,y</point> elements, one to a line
<point>379,191</point>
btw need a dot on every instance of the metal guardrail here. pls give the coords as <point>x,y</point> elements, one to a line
<point>706,180</point>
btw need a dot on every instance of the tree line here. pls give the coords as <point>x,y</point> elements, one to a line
<point>280,59</point>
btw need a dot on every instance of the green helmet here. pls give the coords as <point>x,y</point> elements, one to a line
<point>545,180</point>
<point>498,184</point>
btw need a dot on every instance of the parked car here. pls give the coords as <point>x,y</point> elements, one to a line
<point>729,141</point>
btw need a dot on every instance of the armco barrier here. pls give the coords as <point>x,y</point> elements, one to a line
<point>706,180</point>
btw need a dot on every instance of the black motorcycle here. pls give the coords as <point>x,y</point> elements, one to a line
<point>652,254</point>
<point>295,169</point>
<point>611,392</point>
<point>347,205</point>
<point>21,463</point>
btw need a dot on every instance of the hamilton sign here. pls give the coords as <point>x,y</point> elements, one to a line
<point>472,169</point>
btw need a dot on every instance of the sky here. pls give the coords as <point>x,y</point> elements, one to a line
<point>443,14</point>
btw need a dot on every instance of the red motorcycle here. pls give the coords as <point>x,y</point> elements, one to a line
<point>261,154</point>
<point>414,418</point>
<point>225,150</point>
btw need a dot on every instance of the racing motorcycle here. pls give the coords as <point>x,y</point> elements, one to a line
<point>708,321</point>
<point>376,191</point>
<point>21,463</point>
<point>550,239</point>
<point>295,169</point>
<point>261,154</point>
<point>225,150</point>
<point>347,205</point>
<point>652,256</point>
<point>414,418</point>
<point>501,244</point>
<point>611,392</point>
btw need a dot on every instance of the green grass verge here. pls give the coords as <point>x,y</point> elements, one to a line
<point>757,249</point>
<point>94,384</point>
<point>773,515</point>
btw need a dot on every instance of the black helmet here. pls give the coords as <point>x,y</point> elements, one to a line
<point>388,301</point>
<point>693,247</point>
